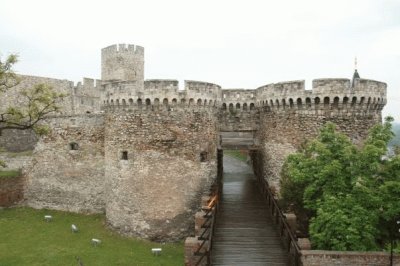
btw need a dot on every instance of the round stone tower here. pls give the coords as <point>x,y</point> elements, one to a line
<point>120,62</point>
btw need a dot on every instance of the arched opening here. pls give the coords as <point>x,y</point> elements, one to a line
<point>317,102</point>
<point>130,101</point>
<point>231,107</point>
<point>148,103</point>
<point>252,107</point>
<point>291,104</point>
<point>308,103</point>
<point>336,102</point>
<point>174,101</point>
<point>271,103</point>
<point>277,103</point>
<point>165,102</point>
<point>117,101</point>
<point>139,103</point>
<point>363,99</point>
<point>183,101</point>
<point>326,102</point>
<point>205,102</point>
<point>345,101</point>
<point>199,102</point>
<point>224,106</point>
<point>238,106</point>
<point>245,107</point>
<point>353,101</point>
<point>369,102</point>
<point>123,102</point>
<point>299,103</point>
<point>283,103</point>
<point>191,101</point>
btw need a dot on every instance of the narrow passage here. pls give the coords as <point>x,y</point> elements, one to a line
<point>244,233</point>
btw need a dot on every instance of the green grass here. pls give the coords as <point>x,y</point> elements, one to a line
<point>9,174</point>
<point>26,239</point>
<point>241,155</point>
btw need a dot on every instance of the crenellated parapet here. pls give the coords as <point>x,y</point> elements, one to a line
<point>367,96</point>
<point>86,96</point>
<point>157,93</point>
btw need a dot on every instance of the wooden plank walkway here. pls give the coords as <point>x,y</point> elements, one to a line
<point>244,232</point>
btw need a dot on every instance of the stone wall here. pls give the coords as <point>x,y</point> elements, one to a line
<point>17,140</point>
<point>157,165</point>
<point>11,190</point>
<point>67,170</point>
<point>22,140</point>
<point>323,257</point>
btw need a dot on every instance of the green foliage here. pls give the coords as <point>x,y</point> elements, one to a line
<point>395,141</point>
<point>349,193</point>
<point>26,239</point>
<point>34,104</point>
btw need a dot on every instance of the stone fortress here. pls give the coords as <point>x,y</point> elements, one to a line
<point>144,151</point>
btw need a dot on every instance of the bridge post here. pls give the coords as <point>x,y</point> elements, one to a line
<point>192,245</point>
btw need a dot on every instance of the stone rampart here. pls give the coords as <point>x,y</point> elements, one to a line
<point>161,92</point>
<point>158,163</point>
<point>67,170</point>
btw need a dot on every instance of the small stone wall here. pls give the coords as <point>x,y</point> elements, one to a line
<point>15,161</point>
<point>323,257</point>
<point>11,191</point>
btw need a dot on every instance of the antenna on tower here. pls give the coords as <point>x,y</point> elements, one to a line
<point>355,75</point>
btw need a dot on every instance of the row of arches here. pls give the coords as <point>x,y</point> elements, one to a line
<point>238,106</point>
<point>317,102</point>
<point>326,102</point>
<point>165,101</point>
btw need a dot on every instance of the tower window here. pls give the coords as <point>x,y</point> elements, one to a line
<point>203,156</point>
<point>124,155</point>
<point>73,146</point>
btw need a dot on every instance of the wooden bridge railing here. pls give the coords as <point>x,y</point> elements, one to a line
<point>288,237</point>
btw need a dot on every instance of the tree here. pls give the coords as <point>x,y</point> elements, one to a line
<point>34,103</point>
<point>349,193</point>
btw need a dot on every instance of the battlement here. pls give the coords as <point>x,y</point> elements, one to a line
<point>122,62</point>
<point>89,83</point>
<point>154,84</point>
<point>200,85</point>
<point>123,48</point>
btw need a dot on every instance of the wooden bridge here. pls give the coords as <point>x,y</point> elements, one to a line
<point>244,232</point>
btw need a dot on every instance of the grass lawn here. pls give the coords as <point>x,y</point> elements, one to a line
<point>9,174</point>
<point>241,155</point>
<point>26,239</point>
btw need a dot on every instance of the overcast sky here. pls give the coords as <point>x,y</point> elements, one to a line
<point>236,44</point>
